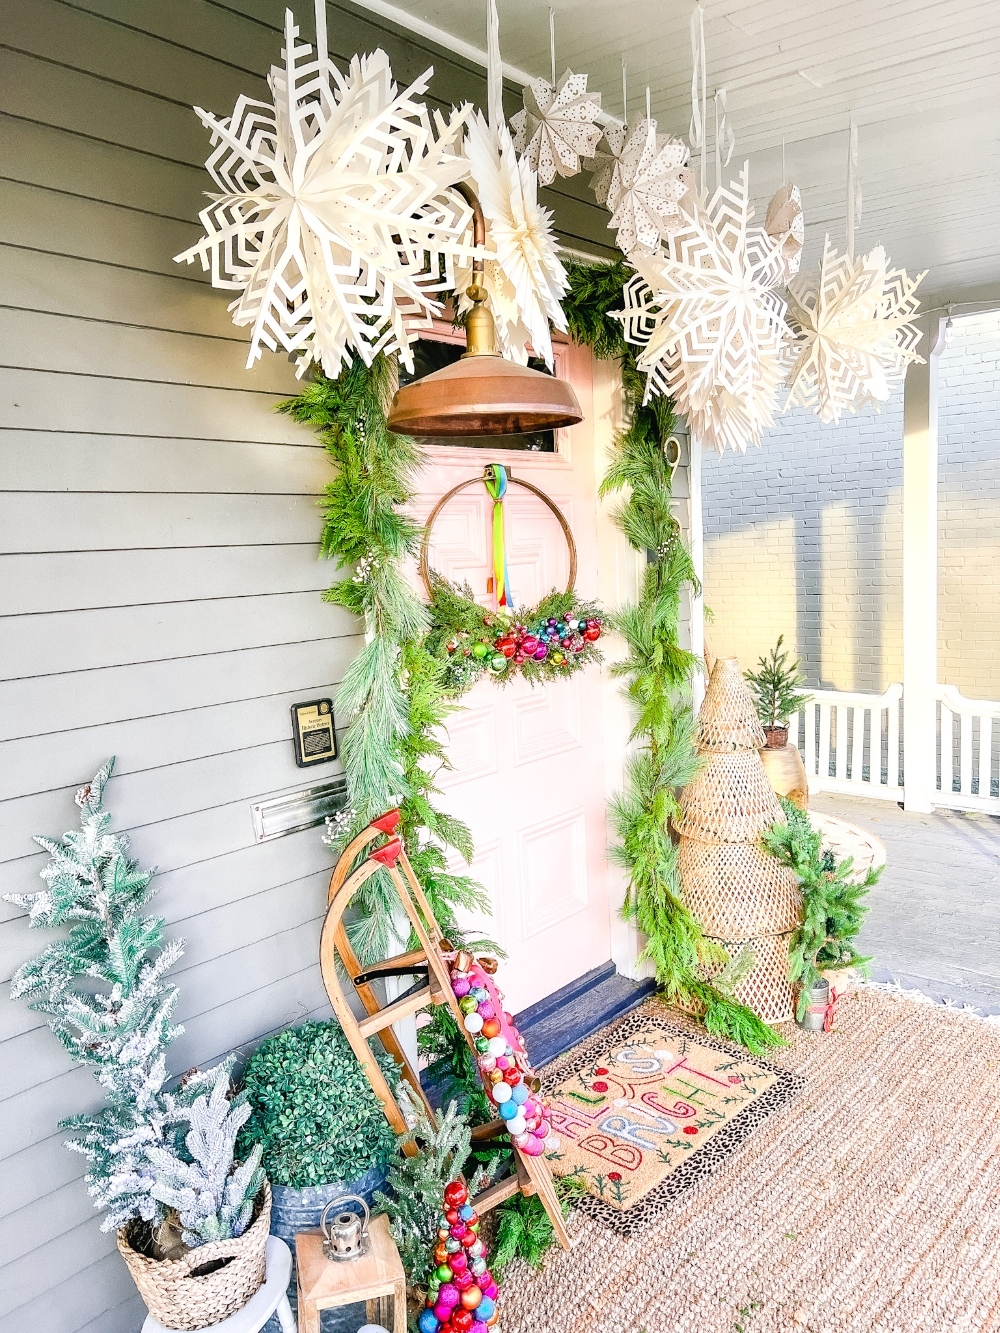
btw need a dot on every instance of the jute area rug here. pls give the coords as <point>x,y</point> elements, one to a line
<point>870,1203</point>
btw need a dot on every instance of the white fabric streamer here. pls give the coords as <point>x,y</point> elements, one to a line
<point>853,190</point>
<point>699,91</point>
<point>724,136</point>
<point>494,68</point>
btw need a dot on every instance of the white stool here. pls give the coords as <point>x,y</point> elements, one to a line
<point>272,1298</point>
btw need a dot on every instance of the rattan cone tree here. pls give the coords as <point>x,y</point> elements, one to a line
<point>740,894</point>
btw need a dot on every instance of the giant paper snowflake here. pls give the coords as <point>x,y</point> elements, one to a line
<point>647,182</point>
<point>334,220</point>
<point>523,275</point>
<point>556,127</point>
<point>852,332</point>
<point>711,325</point>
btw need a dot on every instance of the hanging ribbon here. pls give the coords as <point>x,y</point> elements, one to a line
<point>552,43</point>
<point>699,92</point>
<point>494,68</point>
<point>853,190</point>
<point>495,480</point>
<point>724,137</point>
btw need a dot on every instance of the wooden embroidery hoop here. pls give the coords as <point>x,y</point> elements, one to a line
<point>425,569</point>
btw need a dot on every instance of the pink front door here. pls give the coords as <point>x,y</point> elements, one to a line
<point>528,763</point>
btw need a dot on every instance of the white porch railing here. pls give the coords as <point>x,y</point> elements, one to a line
<point>851,742</point>
<point>968,752</point>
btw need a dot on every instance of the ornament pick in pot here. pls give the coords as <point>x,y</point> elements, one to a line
<point>461,1291</point>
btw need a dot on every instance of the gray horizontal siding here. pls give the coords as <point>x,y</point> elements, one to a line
<point>159,577</point>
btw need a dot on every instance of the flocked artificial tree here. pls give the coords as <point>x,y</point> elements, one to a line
<point>162,1157</point>
<point>742,896</point>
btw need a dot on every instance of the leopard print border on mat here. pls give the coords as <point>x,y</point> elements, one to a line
<point>703,1161</point>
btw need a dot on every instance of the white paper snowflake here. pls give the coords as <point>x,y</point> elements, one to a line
<point>555,129</point>
<point>604,163</point>
<point>711,326</point>
<point>853,337</point>
<point>647,182</point>
<point>786,226</point>
<point>334,220</point>
<point>523,275</point>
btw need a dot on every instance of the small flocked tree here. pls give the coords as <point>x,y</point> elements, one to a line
<point>103,987</point>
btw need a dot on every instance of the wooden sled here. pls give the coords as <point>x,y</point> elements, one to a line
<point>531,1174</point>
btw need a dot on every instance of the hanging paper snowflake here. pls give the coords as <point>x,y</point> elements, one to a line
<point>523,275</point>
<point>334,220</point>
<point>646,185</point>
<point>708,318</point>
<point>786,226</point>
<point>852,332</point>
<point>556,127</point>
<point>604,163</point>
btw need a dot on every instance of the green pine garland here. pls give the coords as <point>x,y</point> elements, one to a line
<point>655,671</point>
<point>833,910</point>
<point>395,691</point>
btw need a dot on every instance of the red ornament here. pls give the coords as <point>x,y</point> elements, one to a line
<point>529,643</point>
<point>519,658</point>
<point>455,1194</point>
<point>452,1215</point>
<point>591,635</point>
<point>690,1129</point>
<point>512,1076</point>
<point>461,1320</point>
<point>469,1239</point>
<point>506,646</point>
<point>463,1281</point>
<point>458,1262</point>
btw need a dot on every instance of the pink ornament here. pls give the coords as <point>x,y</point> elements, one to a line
<point>442,1313</point>
<point>504,1062</point>
<point>461,986</point>
<point>543,1128</point>
<point>448,1295</point>
<point>487,1062</point>
<point>534,1147</point>
<point>458,1230</point>
<point>529,1109</point>
<point>458,1262</point>
<point>479,1327</point>
<point>492,1291</point>
<point>463,1281</point>
<point>486,1010</point>
<point>521,1139</point>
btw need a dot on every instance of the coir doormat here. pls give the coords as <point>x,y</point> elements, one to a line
<point>645,1109</point>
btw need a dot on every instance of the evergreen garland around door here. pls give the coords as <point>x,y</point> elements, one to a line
<point>398,694</point>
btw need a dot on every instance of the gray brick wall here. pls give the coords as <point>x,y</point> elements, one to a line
<point>804,537</point>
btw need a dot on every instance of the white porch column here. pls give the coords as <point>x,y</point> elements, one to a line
<point>920,572</point>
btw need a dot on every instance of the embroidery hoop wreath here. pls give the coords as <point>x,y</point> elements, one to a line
<point>475,640</point>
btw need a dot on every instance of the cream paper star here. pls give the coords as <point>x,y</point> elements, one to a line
<point>786,226</point>
<point>604,163</point>
<point>334,220</point>
<point>647,183</point>
<point>555,129</point>
<point>709,321</point>
<point>852,332</point>
<point>523,275</point>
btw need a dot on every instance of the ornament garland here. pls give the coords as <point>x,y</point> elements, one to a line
<point>655,672</point>
<point>462,1292</point>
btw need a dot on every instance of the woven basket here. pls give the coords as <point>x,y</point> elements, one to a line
<point>179,1298</point>
<point>736,890</point>
<point>730,800</point>
<point>767,990</point>
<point>727,719</point>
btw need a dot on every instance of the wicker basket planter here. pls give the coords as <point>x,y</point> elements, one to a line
<point>181,1295</point>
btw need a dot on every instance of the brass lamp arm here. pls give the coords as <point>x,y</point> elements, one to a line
<point>480,331</point>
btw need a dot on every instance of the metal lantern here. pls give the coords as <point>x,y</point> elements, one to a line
<point>345,1236</point>
<point>482,394</point>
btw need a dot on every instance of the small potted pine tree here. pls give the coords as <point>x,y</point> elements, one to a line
<point>775,686</point>
<point>192,1222</point>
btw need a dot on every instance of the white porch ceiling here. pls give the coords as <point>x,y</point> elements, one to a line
<point>921,78</point>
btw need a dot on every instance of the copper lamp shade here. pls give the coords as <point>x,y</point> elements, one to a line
<point>482,394</point>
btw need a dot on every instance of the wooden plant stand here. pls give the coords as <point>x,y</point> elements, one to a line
<point>338,960</point>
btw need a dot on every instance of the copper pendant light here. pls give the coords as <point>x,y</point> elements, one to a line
<point>482,394</point>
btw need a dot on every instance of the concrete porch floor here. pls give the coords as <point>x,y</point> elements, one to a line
<point>934,921</point>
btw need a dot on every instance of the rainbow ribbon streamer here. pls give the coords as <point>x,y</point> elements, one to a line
<point>495,480</point>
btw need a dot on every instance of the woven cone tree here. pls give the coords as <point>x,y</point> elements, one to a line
<point>741,895</point>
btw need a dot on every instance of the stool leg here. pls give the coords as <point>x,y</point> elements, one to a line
<point>285,1317</point>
